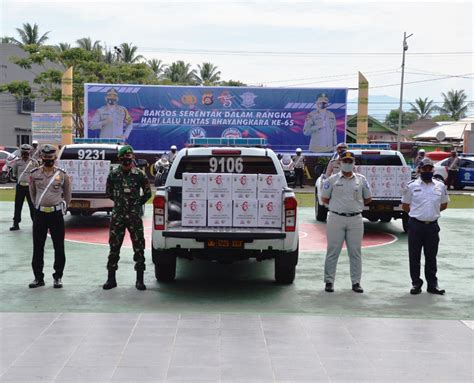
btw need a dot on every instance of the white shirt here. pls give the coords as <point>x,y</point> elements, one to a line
<point>425,199</point>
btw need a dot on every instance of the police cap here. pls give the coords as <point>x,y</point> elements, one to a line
<point>127,149</point>
<point>348,155</point>
<point>112,92</point>
<point>341,145</point>
<point>25,148</point>
<point>322,98</point>
<point>48,150</point>
<point>426,162</point>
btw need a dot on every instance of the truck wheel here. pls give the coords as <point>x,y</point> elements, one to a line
<point>285,267</point>
<point>405,223</point>
<point>165,267</point>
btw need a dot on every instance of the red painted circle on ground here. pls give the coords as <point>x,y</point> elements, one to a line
<point>312,235</point>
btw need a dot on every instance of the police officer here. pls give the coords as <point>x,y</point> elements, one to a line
<point>419,158</point>
<point>423,200</point>
<point>334,166</point>
<point>320,124</point>
<point>21,171</point>
<point>453,170</point>
<point>123,187</point>
<point>298,164</point>
<point>35,151</point>
<point>346,193</point>
<point>50,191</point>
<point>173,153</point>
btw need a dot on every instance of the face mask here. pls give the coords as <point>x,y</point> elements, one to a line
<point>126,161</point>
<point>323,105</point>
<point>111,101</point>
<point>25,156</point>
<point>347,167</point>
<point>426,176</point>
<point>173,151</point>
<point>48,163</point>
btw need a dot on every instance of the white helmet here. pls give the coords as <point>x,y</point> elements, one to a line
<point>298,150</point>
<point>421,151</point>
<point>34,142</point>
<point>173,147</point>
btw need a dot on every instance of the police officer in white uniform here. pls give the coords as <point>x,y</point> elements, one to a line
<point>172,154</point>
<point>50,191</point>
<point>423,200</point>
<point>298,164</point>
<point>334,166</point>
<point>21,171</point>
<point>346,193</point>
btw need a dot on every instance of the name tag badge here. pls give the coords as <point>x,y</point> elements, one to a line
<point>126,190</point>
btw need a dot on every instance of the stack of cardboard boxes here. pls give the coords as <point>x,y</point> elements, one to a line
<point>87,175</point>
<point>232,200</point>
<point>386,181</point>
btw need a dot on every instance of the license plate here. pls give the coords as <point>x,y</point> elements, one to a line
<point>381,207</point>
<point>224,244</point>
<point>79,205</point>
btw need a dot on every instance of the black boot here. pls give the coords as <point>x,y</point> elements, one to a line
<point>139,284</point>
<point>15,227</point>
<point>111,282</point>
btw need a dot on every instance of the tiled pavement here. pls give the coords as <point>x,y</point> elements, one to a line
<point>127,347</point>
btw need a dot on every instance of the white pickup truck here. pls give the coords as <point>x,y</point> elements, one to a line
<point>172,239</point>
<point>387,173</point>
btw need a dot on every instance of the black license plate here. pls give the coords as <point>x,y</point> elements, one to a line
<point>224,244</point>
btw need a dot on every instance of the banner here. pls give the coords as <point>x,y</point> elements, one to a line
<point>46,128</point>
<point>156,117</point>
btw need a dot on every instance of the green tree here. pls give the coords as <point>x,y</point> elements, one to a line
<point>7,40</point>
<point>157,66</point>
<point>407,118</point>
<point>18,89</point>
<point>128,53</point>
<point>232,83</point>
<point>208,74</point>
<point>180,72</point>
<point>30,35</point>
<point>62,47</point>
<point>454,104</point>
<point>422,107</point>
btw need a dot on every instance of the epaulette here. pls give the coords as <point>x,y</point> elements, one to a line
<point>34,170</point>
<point>62,170</point>
<point>411,181</point>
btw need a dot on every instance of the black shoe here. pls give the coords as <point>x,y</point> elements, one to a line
<point>415,290</point>
<point>111,282</point>
<point>329,287</point>
<point>15,227</point>
<point>435,290</point>
<point>356,287</point>
<point>140,285</point>
<point>36,283</point>
<point>57,284</point>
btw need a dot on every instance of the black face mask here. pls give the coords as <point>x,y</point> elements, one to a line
<point>48,163</point>
<point>126,161</point>
<point>426,176</point>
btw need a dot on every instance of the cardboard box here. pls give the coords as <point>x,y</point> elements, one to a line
<point>269,213</point>
<point>219,212</point>
<point>100,183</point>
<point>194,212</point>
<point>269,186</point>
<point>219,186</point>
<point>245,212</point>
<point>244,186</point>
<point>195,186</point>
<point>86,182</point>
<point>101,167</point>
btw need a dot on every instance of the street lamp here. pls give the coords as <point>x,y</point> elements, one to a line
<point>405,48</point>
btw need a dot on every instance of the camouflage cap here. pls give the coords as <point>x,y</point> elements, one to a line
<point>127,149</point>
<point>48,150</point>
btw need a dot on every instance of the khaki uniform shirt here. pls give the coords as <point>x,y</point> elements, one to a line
<point>58,191</point>
<point>298,162</point>
<point>111,120</point>
<point>346,195</point>
<point>321,126</point>
<point>334,166</point>
<point>22,169</point>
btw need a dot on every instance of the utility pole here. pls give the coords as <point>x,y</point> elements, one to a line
<point>400,111</point>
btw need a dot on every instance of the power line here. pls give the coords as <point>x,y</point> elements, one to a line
<point>420,81</point>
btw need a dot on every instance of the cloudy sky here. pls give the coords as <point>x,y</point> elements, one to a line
<point>279,43</point>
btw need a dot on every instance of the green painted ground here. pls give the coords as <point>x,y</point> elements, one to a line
<point>246,286</point>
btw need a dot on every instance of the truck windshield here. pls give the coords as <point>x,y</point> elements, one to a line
<point>377,159</point>
<point>225,164</point>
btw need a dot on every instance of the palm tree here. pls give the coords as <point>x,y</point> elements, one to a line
<point>208,74</point>
<point>128,53</point>
<point>156,66</point>
<point>30,35</point>
<point>63,47</point>
<point>422,107</point>
<point>7,40</point>
<point>87,44</point>
<point>180,72</point>
<point>454,104</point>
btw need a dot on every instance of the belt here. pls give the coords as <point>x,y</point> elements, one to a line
<point>425,222</point>
<point>50,209</point>
<point>345,214</point>
<point>23,183</point>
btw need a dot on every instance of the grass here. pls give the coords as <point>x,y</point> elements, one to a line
<point>458,201</point>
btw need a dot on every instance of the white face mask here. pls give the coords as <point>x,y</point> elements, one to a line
<point>347,167</point>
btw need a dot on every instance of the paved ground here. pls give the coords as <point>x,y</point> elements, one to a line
<point>223,323</point>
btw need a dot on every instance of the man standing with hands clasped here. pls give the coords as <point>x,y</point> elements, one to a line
<point>346,193</point>
<point>423,200</point>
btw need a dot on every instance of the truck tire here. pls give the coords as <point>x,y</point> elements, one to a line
<point>320,211</point>
<point>165,267</point>
<point>405,223</point>
<point>285,267</point>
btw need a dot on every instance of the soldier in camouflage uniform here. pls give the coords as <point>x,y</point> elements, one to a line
<point>123,187</point>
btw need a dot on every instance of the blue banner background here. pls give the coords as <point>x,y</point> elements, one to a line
<point>169,115</point>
